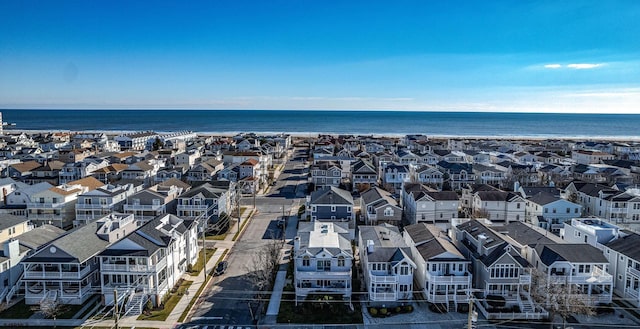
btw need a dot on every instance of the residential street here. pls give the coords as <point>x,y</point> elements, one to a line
<point>230,298</point>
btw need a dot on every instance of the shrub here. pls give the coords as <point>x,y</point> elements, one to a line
<point>373,311</point>
<point>407,309</point>
<point>398,309</point>
<point>149,305</point>
<point>496,301</point>
<point>383,311</point>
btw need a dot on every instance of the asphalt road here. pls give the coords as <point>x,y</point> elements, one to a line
<point>230,301</point>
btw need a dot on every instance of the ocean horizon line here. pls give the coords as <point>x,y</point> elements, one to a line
<point>452,111</point>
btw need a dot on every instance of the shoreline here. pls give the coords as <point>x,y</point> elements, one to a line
<point>373,135</point>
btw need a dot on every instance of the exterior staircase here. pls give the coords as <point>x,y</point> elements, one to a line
<point>451,306</point>
<point>527,307</point>
<point>135,305</point>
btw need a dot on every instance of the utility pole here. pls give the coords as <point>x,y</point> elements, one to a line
<point>115,306</point>
<point>284,224</point>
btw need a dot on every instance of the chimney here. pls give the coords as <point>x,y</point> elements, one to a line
<point>481,241</point>
<point>296,243</point>
<point>370,246</point>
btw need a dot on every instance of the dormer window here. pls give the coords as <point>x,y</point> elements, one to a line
<point>341,261</point>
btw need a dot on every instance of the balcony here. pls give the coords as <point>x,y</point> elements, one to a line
<point>383,278</point>
<point>93,206</point>
<point>328,275</point>
<point>46,205</point>
<point>383,296</point>
<point>449,279</point>
<point>200,207</point>
<point>143,207</point>
<point>633,271</point>
<point>56,274</point>
<point>525,279</point>
<point>113,267</point>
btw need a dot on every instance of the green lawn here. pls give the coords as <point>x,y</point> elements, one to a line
<point>169,305</point>
<point>308,312</point>
<point>197,267</point>
<point>18,311</point>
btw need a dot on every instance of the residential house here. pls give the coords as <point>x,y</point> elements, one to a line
<point>498,269</point>
<point>323,259</point>
<point>580,264</point>
<point>499,206</point>
<point>17,248</point>
<point>23,170</point>
<point>331,204</point>
<point>148,262</point>
<point>442,272</point>
<point>325,174</point>
<point>55,206</point>
<point>152,202</point>
<point>204,171</point>
<point>135,141</point>
<point>363,175</point>
<point>549,211</point>
<point>590,156</point>
<point>394,176</point>
<point>206,200</point>
<point>457,174</point>
<point>67,270</point>
<point>102,201</point>
<point>623,255</point>
<point>428,175</point>
<point>423,204</point>
<point>386,264</point>
<point>378,206</point>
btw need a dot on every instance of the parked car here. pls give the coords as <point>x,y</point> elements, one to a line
<point>221,268</point>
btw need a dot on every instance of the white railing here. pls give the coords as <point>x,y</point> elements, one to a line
<point>383,278</point>
<point>4,292</point>
<point>382,296</point>
<point>192,207</point>
<point>134,207</point>
<point>329,275</point>
<point>633,271</point>
<point>448,279</point>
<point>35,274</point>
<point>46,205</point>
<point>93,206</point>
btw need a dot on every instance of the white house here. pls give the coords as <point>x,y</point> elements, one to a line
<point>443,273</point>
<point>422,204</point>
<point>148,262</point>
<point>323,258</point>
<point>386,263</point>
<point>550,211</point>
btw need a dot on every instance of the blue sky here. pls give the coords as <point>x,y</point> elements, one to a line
<point>542,56</point>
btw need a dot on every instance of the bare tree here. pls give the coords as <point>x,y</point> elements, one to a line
<point>559,298</point>
<point>51,308</point>
<point>263,265</point>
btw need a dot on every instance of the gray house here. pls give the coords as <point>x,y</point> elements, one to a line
<point>331,204</point>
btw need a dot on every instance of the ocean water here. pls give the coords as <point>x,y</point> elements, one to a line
<point>539,125</point>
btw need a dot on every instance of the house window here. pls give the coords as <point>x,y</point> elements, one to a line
<point>323,265</point>
<point>568,210</point>
<point>306,261</point>
<point>333,208</point>
<point>404,270</point>
<point>518,205</point>
<point>341,261</point>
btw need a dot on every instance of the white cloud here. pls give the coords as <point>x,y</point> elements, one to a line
<point>584,66</point>
<point>552,66</point>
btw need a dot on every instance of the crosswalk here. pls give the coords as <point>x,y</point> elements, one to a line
<point>217,327</point>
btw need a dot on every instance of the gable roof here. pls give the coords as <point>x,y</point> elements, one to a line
<point>627,245</point>
<point>78,245</point>
<point>570,252</point>
<point>331,195</point>
<point>429,242</point>
<point>89,182</point>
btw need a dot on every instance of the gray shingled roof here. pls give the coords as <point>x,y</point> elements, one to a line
<point>40,236</point>
<point>7,221</point>
<point>570,252</point>
<point>331,195</point>
<point>78,245</point>
<point>627,245</point>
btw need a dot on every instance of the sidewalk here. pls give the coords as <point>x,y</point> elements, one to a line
<point>221,247</point>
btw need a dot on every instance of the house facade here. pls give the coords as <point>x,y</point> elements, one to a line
<point>323,260</point>
<point>386,264</point>
<point>443,274</point>
<point>147,263</point>
<point>331,204</point>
